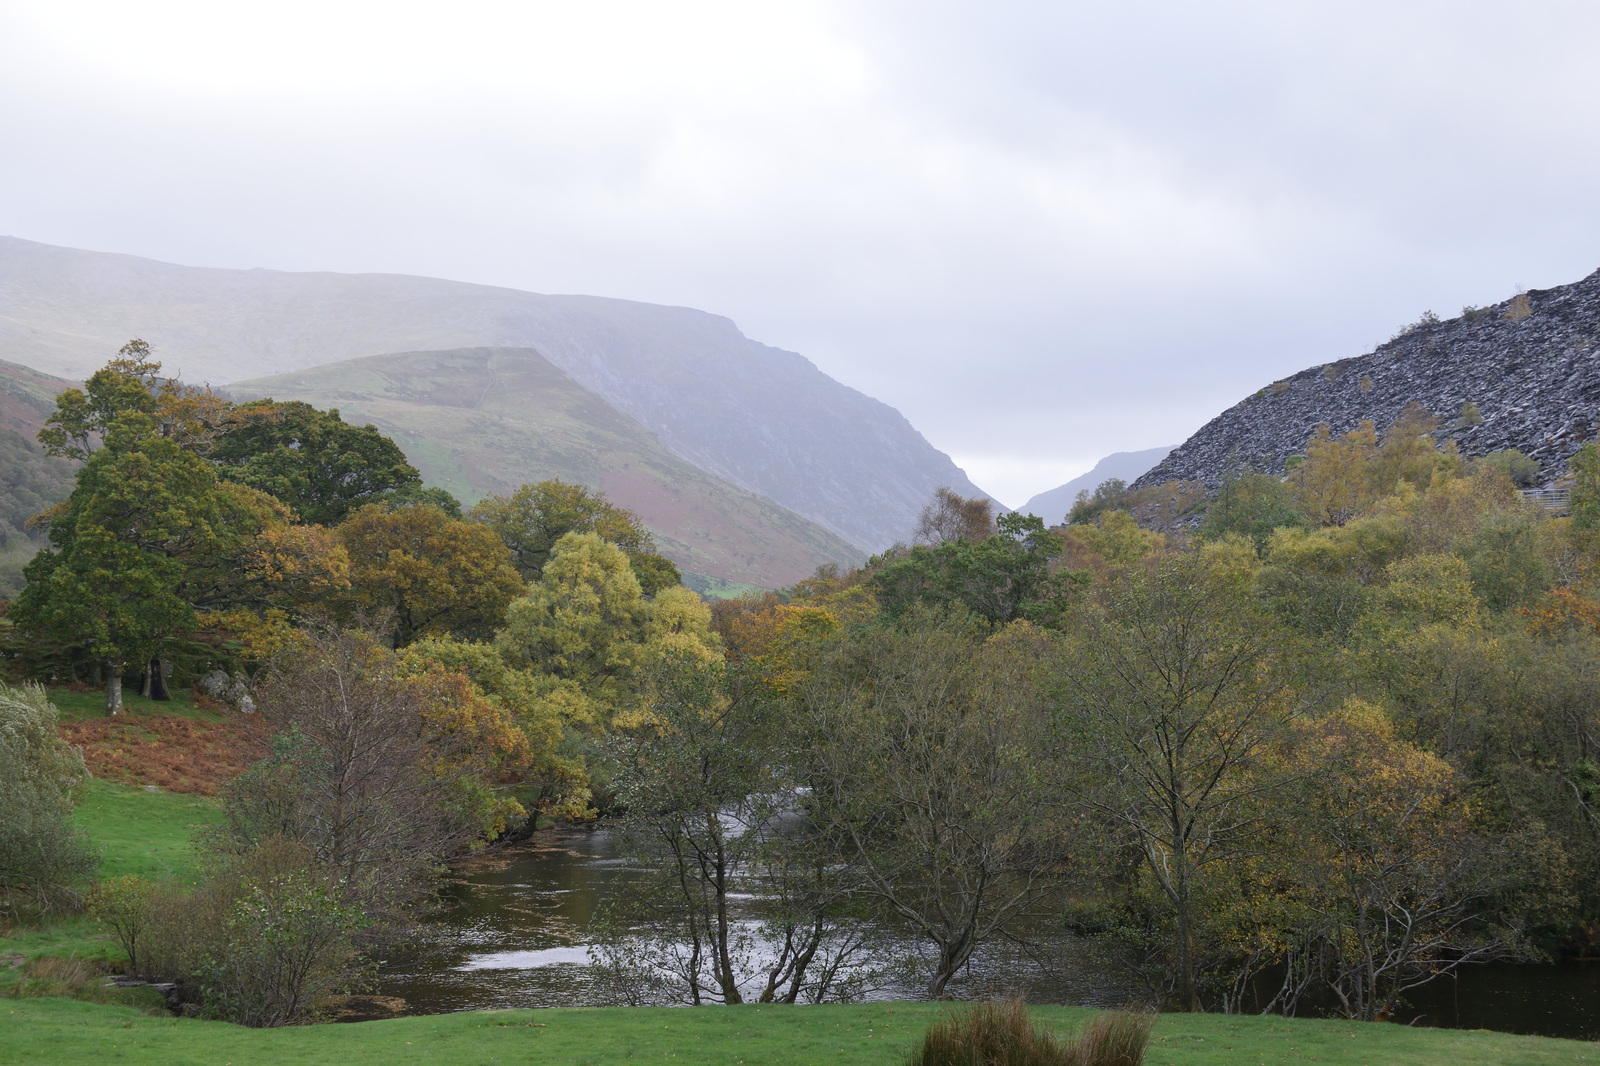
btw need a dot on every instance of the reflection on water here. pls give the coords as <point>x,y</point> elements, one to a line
<point>515,933</point>
<point>516,930</point>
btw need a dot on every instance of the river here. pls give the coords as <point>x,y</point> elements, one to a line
<point>516,931</point>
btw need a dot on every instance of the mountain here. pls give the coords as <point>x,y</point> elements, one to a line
<point>1053,504</point>
<point>762,418</point>
<point>481,420</point>
<point>1530,366</point>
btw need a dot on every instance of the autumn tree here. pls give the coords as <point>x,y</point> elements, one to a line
<point>534,517</point>
<point>1404,888</point>
<point>1109,495</point>
<point>1331,483</point>
<point>379,770</point>
<point>587,626</point>
<point>1251,505</point>
<point>1176,689</point>
<point>952,517</point>
<point>426,574</point>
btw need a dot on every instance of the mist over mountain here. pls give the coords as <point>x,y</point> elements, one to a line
<point>1052,505</point>
<point>1523,374</point>
<point>764,419</point>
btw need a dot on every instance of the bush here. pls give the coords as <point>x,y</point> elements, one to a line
<point>122,905</point>
<point>1003,1034</point>
<point>264,942</point>
<point>360,774</point>
<point>43,859</point>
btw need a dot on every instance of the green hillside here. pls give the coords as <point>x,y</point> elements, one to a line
<point>481,420</point>
<point>29,482</point>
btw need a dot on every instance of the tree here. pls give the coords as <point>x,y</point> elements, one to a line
<point>1109,495</point>
<point>1585,469</point>
<point>1251,505</point>
<point>127,383</point>
<point>923,751</point>
<point>423,573</point>
<point>709,806</point>
<point>1403,886</point>
<point>583,623</point>
<point>951,517</point>
<point>1332,483</point>
<point>375,770</point>
<point>1175,691</point>
<point>692,776</point>
<point>43,858</point>
<point>312,460</point>
<point>534,517</point>
<point>148,537</point>
<point>1001,578</point>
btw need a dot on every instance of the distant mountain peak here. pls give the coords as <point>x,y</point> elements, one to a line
<point>1053,504</point>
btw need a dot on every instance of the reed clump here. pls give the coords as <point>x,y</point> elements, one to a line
<point>1004,1034</point>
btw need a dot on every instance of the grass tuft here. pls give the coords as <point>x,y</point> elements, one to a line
<point>1004,1034</point>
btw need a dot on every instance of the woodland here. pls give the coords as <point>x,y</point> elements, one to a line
<point>1328,745</point>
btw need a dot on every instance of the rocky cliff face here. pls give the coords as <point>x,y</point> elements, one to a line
<point>1530,367</point>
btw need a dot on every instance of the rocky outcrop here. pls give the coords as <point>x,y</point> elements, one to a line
<point>1522,374</point>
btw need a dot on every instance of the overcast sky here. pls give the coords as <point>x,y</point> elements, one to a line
<point>1044,232</point>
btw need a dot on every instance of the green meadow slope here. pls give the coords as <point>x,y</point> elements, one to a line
<point>482,420</point>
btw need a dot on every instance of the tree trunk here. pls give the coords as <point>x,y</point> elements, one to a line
<point>156,680</point>
<point>113,673</point>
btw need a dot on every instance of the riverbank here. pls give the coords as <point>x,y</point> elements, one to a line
<point>150,833</point>
<point>66,1033</point>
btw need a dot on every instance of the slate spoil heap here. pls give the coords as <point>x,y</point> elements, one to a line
<point>1530,366</point>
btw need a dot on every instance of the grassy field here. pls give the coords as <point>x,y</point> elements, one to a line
<point>146,833</point>
<point>136,832</point>
<point>64,1032</point>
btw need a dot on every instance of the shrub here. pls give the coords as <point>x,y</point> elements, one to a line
<point>263,942</point>
<point>1003,1034</point>
<point>122,905</point>
<point>362,773</point>
<point>43,859</point>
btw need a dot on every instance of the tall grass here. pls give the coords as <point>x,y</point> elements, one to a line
<point>1003,1034</point>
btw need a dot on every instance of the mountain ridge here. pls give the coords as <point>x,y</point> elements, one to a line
<point>762,418</point>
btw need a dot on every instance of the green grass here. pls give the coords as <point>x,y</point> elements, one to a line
<point>136,832</point>
<point>146,833</point>
<point>76,706</point>
<point>65,1032</point>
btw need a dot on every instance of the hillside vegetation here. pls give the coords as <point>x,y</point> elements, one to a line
<point>485,420</point>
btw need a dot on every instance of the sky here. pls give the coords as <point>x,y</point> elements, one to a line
<point>1044,232</point>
